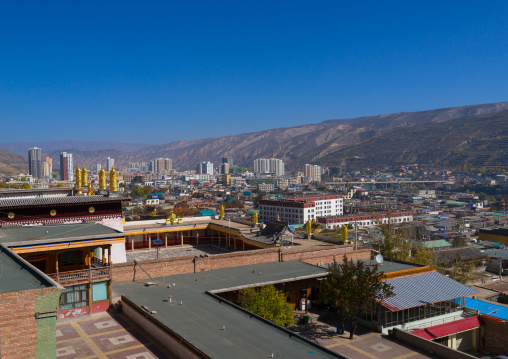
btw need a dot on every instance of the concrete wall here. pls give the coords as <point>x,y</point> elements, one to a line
<point>190,264</point>
<point>428,346</point>
<point>495,335</point>
<point>22,333</point>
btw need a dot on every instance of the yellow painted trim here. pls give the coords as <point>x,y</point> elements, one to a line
<point>164,230</point>
<point>405,272</point>
<point>66,245</point>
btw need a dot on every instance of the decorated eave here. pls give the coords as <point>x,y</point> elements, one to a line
<point>60,201</point>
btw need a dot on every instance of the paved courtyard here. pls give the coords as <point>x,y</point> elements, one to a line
<point>365,344</point>
<point>142,255</point>
<point>104,336</point>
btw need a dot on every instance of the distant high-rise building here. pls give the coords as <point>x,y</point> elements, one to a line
<point>35,162</point>
<point>110,163</point>
<point>98,167</point>
<point>272,165</point>
<point>49,160</point>
<point>313,172</point>
<point>47,167</point>
<point>204,168</point>
<point>224,168</point>
<point>163,165</point>
<point>66,167</point>
<point>228,160</point>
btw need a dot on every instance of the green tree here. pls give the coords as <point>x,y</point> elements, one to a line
<point>358,286</point>
<point>335,289</point>
<point>26,186</point>
<point>267,302</point>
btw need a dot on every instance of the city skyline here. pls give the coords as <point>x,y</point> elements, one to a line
<point>209,70</point>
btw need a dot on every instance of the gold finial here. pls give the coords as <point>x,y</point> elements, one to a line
<point>172,218</point>
<point>344,234</point>
<point>78,181</point>
<point>278,217</point>
<point>221,213</point>
<point>256,220</point>
<point>308,228</point>
<point>113,183</point>
<point>102,179</point>
<point>91,190</point>
<point>84,177</point>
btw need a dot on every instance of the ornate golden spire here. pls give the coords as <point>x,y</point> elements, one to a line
<point>221,212</point>
<point>256,220</point>
<point>102,179</point>
<point>84,177</point>
<point>113,183</point>
<point>78,181</point>
<point>308,228</point>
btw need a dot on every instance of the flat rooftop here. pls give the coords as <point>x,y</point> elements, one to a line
<point>56,232</point>
<point>17,275</point>
<point>200,317</point>
<point>387,266</point>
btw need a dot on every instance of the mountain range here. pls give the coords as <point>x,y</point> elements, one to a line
<point>475,134</point>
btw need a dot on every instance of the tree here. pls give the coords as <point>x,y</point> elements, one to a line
<point>458,241</point>
<point>335,288</point>
<point>267,302</point>
<point>358,286</point>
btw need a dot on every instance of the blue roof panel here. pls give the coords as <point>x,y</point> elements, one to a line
<point>487,308</point>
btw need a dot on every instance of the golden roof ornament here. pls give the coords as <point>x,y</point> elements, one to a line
<point>78,181</point>
<point>113,183</point>
<point>84,177</point>
<point>102,179</point>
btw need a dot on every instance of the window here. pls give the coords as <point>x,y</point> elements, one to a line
<point>99,291</point>
<point>75,296</point>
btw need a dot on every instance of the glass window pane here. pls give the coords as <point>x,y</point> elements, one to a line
<point>99,291</point>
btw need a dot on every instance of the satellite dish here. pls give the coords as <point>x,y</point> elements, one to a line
<point>379,259</point>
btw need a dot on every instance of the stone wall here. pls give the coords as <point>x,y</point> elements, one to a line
<point>190,264</point>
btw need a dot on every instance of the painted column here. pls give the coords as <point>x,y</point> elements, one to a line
<point>197,238</point>
<point>166,239</point>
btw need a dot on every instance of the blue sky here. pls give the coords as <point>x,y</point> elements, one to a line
<point>159,71</point>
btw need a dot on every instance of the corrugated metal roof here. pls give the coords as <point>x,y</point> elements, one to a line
<point>446,329</point>
<point>487,308</point>
<point>23,202</point>
<point>420,289</point>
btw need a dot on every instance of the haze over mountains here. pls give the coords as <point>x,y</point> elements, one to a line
<point>476,134</point>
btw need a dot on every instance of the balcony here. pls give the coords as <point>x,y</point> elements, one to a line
<point>88,275</point>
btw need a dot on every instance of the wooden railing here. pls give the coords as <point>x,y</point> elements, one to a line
<point>82,276</point>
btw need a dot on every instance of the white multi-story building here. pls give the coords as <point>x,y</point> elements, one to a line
<point>273,165</point>
<point>363,220</point>
<point>110,163</point>
<point>300,209</point>
<point>205,168</point>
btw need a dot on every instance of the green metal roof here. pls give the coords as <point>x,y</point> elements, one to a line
<point>436,244</point>
<point>200,317</point>
<point>497,253</point>
<point>18,275</point>
<point>60,231</point>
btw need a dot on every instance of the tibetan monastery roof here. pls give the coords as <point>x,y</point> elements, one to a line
<point>68,200</point>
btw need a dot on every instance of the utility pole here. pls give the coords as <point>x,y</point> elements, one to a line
<point>356,236</point>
